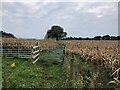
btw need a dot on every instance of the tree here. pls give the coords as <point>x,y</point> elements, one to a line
<point>106,37</point>
<point>113,38</point>
<point>6,35</point>
<point>97,38</point>
<point>118,37</point>
<point>56,32</point>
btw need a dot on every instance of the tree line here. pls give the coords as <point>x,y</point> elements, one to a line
<point>105,37</point>
<point>58,33</point>
<point>6,35</point>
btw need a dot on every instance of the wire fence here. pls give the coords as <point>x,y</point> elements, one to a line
<point>25,51</point>
<point>56,53</point>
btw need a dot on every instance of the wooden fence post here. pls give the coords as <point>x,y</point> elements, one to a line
<point>55,54</point>
<point>18,48</point>
<point>1,51</point>
<point>5,71</point>
<point>71,71</point>
<point>63,54</point>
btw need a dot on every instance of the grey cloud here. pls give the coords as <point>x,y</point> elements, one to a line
<point>34,19</point>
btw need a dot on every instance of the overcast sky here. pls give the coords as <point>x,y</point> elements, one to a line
<point>79,19</point>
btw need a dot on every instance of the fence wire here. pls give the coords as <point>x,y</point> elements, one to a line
<point>13,50</point>
<point>53,53</point>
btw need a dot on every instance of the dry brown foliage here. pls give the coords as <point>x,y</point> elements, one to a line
<point>105,52</point>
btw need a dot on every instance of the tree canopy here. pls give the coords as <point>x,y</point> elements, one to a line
<point>56,32</point>
<point>6,35</point>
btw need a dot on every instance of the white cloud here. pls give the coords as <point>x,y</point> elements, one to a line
<point>60,1</point>
<point>99,16</point>
<point>73,16</point>
<point>102,9</point>
<point>32,6</point>
<point>3,14</point>
<point>38,10</point>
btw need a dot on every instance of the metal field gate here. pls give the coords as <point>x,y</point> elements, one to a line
<point>12,50</point>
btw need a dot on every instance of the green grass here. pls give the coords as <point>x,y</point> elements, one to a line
<point>27,75</point>
<point>48,72</point>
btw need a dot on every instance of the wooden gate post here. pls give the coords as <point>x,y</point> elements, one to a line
<point>5,71</point>
<point>35,53</point>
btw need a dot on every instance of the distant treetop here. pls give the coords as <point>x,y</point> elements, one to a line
<point>56,32</point>
<point>6,35</point>
<point>105,37</point>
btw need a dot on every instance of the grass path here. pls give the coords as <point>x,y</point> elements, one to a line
<point>39,75</point>
<point>48,72</point>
